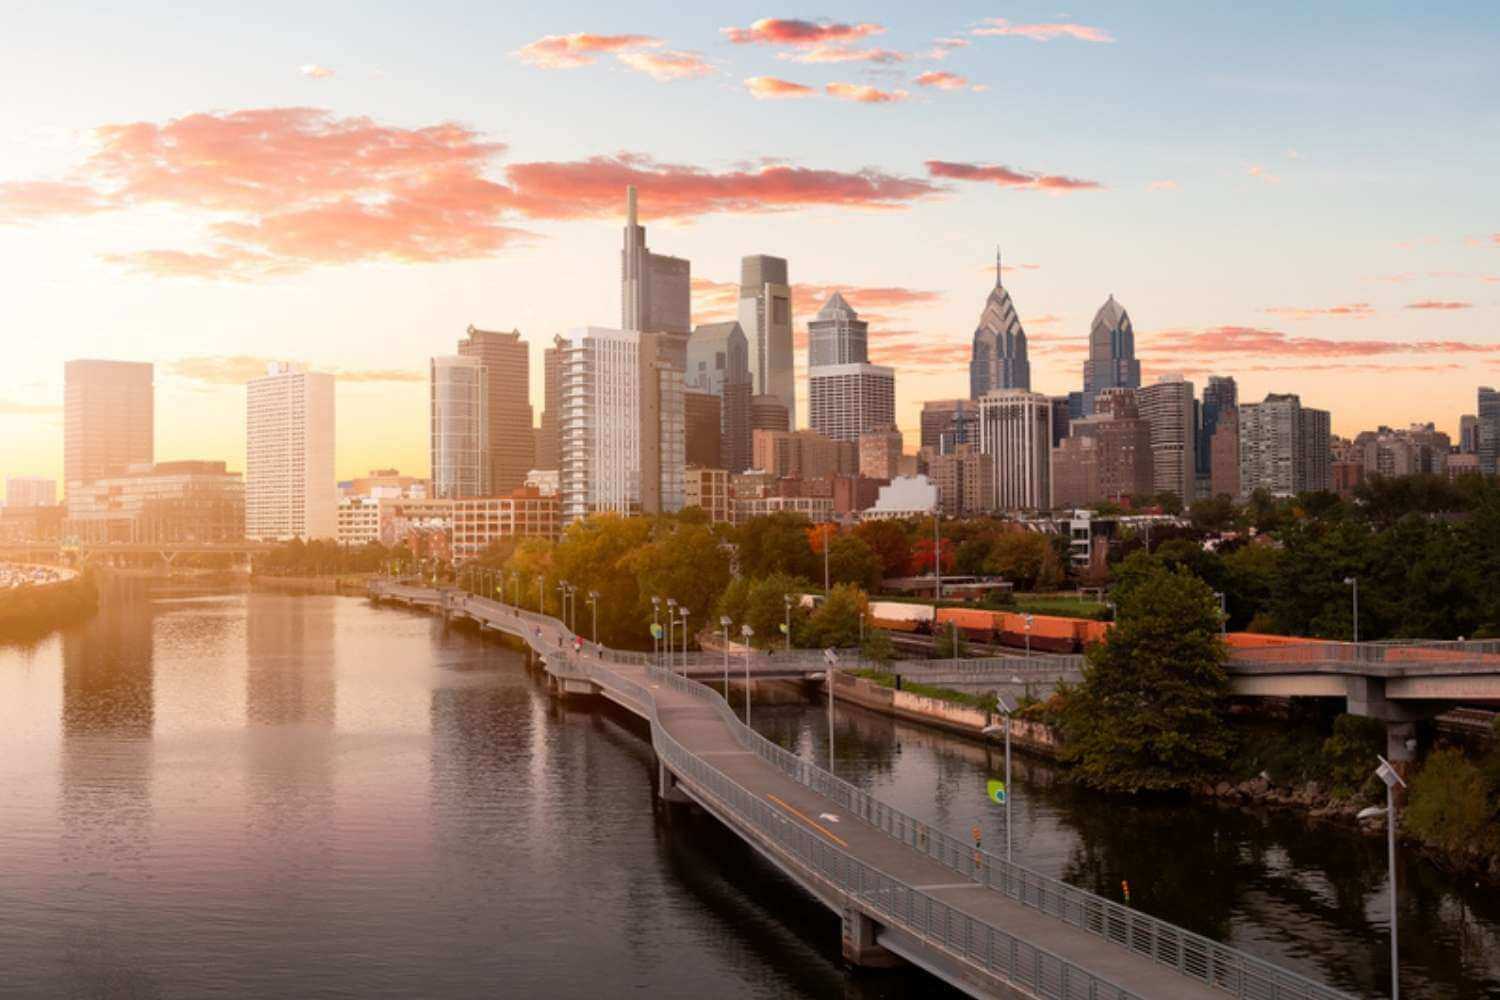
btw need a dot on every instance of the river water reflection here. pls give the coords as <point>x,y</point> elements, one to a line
<point>228,794</point>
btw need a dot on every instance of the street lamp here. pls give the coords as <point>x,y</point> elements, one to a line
<point>1353,581</point>
<point>937,560</point>
<point>1388,774</point>
<point>827,542</point>
<point>671,623</point>
<point>515,579</point>
<point>1003,705</point>
<point>747,632</point>
<point>787,628</point>
<point>541,581</point>
<point>562,590</point>
<point>724,624</point>
<point>1223,613</point>
<point>594,606</point>
<point>656,630</point>
<point>684,613</point>
<point>1027,618</point>
<point>832,659</point>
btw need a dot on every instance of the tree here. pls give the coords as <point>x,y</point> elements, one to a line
<point>972,555</point>
<point>921,557</point>
<point>1451,804</point>
<point>685,561</point>
<point>1213,513</point>
<point>852,561</point>
<point>878,647</point>
<point>891,542</point>
<point>1149,713</point>
<point>761,604</point>
<point>776,543</point>
<point>836,622</point>
<point>949,643</point>
<point>1018,556</point>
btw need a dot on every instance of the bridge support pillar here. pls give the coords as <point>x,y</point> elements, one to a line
<point>1400,742</point>
<point>860,948</point>
<point>666,786</point>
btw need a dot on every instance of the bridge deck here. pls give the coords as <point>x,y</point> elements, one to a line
<point>1004,929</point>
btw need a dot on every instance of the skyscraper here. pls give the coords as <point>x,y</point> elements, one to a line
<point>1111,363</point>
<point>1468,434</point>
<point>460,425</point>
<point>947,423</point>
<point>108,419</point>
<point>1015,430</point>
<point>655,290</point>
<point>703,439</point>
<point>511,448</point>
<point>718,362</point>
<point>1285,448</point>
<point>1488,437</point>
<point>290,490</point>
<point>837,336</point>
<point>845,401</point>
<point>999,356</point>
<point>765,314</point>
<point>1219,396</point>
<point>546,434</point>
<point>1167,405</point>
<point>1107,456</point>
<point>768,413</point>
<point>663,426</point>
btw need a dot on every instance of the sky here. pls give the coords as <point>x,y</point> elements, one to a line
<point>1301,196</point>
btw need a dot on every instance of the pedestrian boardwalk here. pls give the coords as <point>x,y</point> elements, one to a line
<point>900,886</point>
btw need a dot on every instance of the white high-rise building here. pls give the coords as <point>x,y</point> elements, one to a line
<point>765,314</point>
<point>1167,406</point>
<point>1284,447</point>
<point>845,401</point>
<point>1015,429</point>
<point>290,489</point>
<point>460,427</point>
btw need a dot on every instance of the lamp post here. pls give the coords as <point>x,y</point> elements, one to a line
<point>747,632</point>
<point>655,629</point>
<point>1028,620</point>
<point>827,542</point>
<point>937,559</point>
<point>786,599</point>
<point>1223,613</point>
<point>1003,705</point>
<point>684,613</point>
<point>594,607</point>
<point>515,579</point>
<point>1353,581</point>
<point>724,624</point>
<point>1389,775</point>
<point>671,624</point>
<point>562,609</point>
<point>832,659</point>
<point>541,581</point>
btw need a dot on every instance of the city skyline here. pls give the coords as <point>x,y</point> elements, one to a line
<point>1296,260</point>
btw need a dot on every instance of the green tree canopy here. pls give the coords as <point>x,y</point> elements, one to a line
<point>776,543</point>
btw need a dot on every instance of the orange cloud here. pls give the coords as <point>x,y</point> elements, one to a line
<point>16,408</point>
<point>915,353</point>
<point>579,49</point>
<point>1437,305</point>
<point>943,46</point>
<point>941,80</point>
<point>1263,173</point>
<point>315,72</point>
<point>666,64</point>
<point>592,187</point>
<point>787,31</point>
<point>843,54</point>
<point>715,300</point>
<point>1005,177</point>
<point>26,201</point>
<point>864,93</point>
<point>1252,340</point>
<point>1354,310</point>
<point>1164,185</point>
<point>765,88</point>
<point>1042,32</point>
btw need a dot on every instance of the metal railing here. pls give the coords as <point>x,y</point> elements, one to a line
<point>1236,973</point>
<point>1041,663</point>
<point>1472,654</point>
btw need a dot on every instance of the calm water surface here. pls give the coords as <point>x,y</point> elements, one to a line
<point>227,794</point>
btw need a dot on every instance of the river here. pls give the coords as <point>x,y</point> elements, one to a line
<point>219,793</point>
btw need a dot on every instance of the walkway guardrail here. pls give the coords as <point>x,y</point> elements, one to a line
<point>1475,654</point>
<point>1041,663</point>
<point>1236,973</point>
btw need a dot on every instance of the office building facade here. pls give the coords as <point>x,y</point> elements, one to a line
<point>1111,363</point>
<point>511,443</point>
<point>703,426</point>
<point>845,401</point>
<point>1285,448</point>
<point>1487,426</point>
<point>25,492</point>
<point>167,503</point>
<point>718,362</point>
<point>947,423</point>
<point>880,453</point>
<point>1015,430</point>
<point>1107,457</point>
<point>546,451</point>
<point>108,419</point>
<point>290,489</point>
<point>1168,407</point>
<point>965,480</point>
<point>460,427</point>
<point>837,336</point>
<point>655,290</point>
<point>998,359</point>
<point>765,315</point>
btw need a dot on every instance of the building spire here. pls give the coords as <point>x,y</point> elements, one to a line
<point>998,281</point>
<point>630,205</point>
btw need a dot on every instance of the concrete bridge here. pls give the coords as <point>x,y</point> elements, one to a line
<point>86,552</point>
<point>903,889</point>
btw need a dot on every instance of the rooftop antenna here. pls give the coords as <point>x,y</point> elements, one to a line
<point>997,266</point>
<point>630,204</point>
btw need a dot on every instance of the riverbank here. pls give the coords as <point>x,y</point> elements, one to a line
<point>32,611</point>
<point>346,583</point>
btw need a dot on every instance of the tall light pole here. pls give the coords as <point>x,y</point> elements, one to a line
<point>515,580</point>
<point>1028,620</point>
<point>1003,705</point>
<point>541,581</point>
<point>937,559</point>
<point>832,659</point>
<point>684,613</point>
<point>1388,774</point>
<point>671,624</point>
<point>724,624</point>
<point>747,632</point>
<point>655,630</point>
<point>787,627</point>
<point>827,544</point>
<point>562,591</point>
<point>1353,581</point>
<point>594,606</point>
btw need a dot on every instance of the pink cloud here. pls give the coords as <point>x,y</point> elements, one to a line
<point>843,54</point>
<point>1006,177</point>
<point>1263,173</point>
<point>1438,305</point>
<point>790,31</point>
<point>765,88</point>
<point>664,65</point>
<point>941,80</point>
<point>1164,185</point>
<point>315,72</point>
<point>943,46</point>
<point>1354,310</point>
<point>1235,340</point>
<point>26,201</point>
<point>579,49</point>
<point>1042,32</point>
<point>864,93</point>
